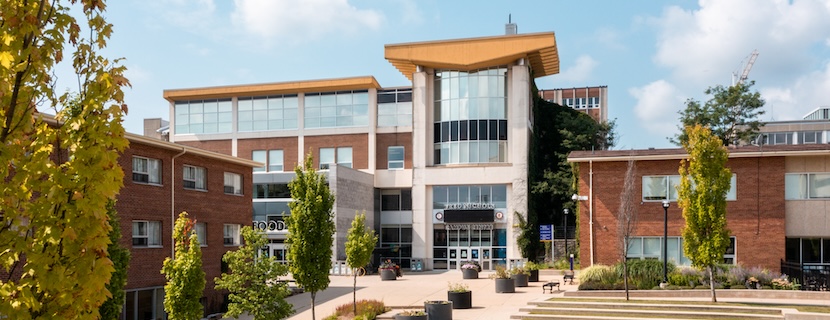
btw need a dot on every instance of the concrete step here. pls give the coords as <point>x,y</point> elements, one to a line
<point>529,316</point>
<point>671,307</point>
<point>641,313</point>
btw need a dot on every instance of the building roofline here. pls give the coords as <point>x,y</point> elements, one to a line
<point>679,153</point>
<point>476,53</point>
<point>274,88</point>
<point>135,138</point>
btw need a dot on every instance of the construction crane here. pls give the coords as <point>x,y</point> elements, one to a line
<point>745,73</point>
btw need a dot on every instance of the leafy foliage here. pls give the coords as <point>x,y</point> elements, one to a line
<point>704,182</point>
<point>525,235</point>
<point>644,274</point>
<point>732,114</point>
<point>120,256</point>
<point>53,207</point>
<point>366,309</point>
<point>185,277</point>
<point>254,282</point>
<point>360,243</point>
<point>558,130</point>
<point>310,229</point>
<point>600,274</point>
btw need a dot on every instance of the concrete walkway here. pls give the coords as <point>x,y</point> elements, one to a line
<point>414,288</point>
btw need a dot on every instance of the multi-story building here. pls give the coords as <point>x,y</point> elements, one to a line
<point>161,180</point>
<point>591,100</point>
<point>440,167</point>
<point>814,128</point>
<point>776,208</point>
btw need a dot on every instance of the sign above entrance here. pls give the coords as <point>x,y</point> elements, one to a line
<point>469,206</point>
<point>468,226</point>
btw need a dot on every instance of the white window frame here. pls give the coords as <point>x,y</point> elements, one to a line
<point>152,238</point>
<point>673,181</point>
<point>233,183</point>
<point>260,156</point>
<point>327,162</point>
<point>395,164</point>
<point>276,161</point>
<point>342,159</point>
<point>152,170</point>
<point>194,175</point>
<point>200,228</point>
<point>230,235</point>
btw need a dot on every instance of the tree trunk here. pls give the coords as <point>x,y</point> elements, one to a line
<point>625,278</point>
<point>313,295</point>
<point>354,292</point>
<point>712,284</point>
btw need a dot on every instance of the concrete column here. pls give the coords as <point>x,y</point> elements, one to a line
<point>421,208</point>
<point>518,109</point>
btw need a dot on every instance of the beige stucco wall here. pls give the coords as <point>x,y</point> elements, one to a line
<point>808,218</point>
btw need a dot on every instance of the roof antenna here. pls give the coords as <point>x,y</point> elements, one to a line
<point>510,27</point>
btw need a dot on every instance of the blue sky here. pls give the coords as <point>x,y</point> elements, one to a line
<point>652,55</point>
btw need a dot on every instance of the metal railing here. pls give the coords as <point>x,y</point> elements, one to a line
<point>812,277</point>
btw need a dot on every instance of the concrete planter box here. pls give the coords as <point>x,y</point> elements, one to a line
<point>505,286</point>
<point>403,317</point>
<point>520,279</point>
<point>388,274</point>
<point>438,310</point>
<point>534,276</point>
<point>460,300</point>
<point>469,273</point>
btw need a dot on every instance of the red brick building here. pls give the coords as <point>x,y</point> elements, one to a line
<point>776,209</point>
<point>162,179</point>
<point>591,100</point>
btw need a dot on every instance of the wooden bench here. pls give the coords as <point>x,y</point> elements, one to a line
<point>550,285</point>
<point>568,276</point>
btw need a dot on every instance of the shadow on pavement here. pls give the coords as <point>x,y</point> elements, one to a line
<point>302,302</point>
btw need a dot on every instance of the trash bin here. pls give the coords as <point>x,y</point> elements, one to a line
<point>416,264</point>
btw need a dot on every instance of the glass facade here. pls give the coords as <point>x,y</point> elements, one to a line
<point>336,109</point>
<point>395,107</point>
<point>204,116</point>
<point>470,116</point>
<point>444,195</point>
<point>267,113</point>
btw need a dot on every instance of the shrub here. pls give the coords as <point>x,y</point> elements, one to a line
<point>366,309</point>
<point>594,285</point>
<point>598,273</point>
<point>736,275</point>
<point>645,274</point>
<point>501,273</point>
<point>564,264</point>
<point>685,276</point>
<point>457,287</point>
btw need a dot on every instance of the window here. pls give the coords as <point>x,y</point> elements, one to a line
<point>204,116</point>
<point>344,156</point>
<point>146,170</point>
<point>267,113</point>
<point>231,235</point>
<point>336,109</point>
<point>194,178</point>
<point>271,191</point>
<point>729,255</point>
<point>395,199</point>
<point>201,232</point>
<point>395,107</point>
<point>233,183</point>
<point>658,188</point>
<point>809,137</point>
<point>395,157</point>
<point>326,158</point>
<point>260,156</point>
<point>799,186</point>
<point>275,161</point>
<point>778,138</point>
<point>146,233</point>
<point>652,248</point>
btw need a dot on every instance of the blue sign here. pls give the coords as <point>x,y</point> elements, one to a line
<point>545,232</point>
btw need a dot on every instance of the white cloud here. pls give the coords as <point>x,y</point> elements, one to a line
<point>272,19</point>
<point>192,15</point>
<point>580,71</point>
<point>795,101</point>
<point>657,106</point>
<point>410,14</point>
<point>704,46</point>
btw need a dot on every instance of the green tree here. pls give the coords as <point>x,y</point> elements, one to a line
<point>57,174</point>
<point>704,182</point>
<point>732,114</point>
<point>185,277</point>
<point>254,281</point>
<point>310,230</point>
<point>360,242</point>
<point>120,256</point>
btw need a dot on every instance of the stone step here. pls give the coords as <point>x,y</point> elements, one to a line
<point>529,316</point>
<point>639,313</point>
<point>671,307</point>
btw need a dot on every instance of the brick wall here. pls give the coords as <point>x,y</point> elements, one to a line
<point>358,142</point>
<point>756,218</point>
<point>220,146</point>
<point>384,141</point>
<point>151,202</point>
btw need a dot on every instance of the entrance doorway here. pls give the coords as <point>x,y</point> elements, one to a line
<point>469,245</point>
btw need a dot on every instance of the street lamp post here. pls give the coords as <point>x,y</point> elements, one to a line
<point>565,225</point>
<point>665,239</point>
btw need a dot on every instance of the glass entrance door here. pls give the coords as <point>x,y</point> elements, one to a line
<point>469,245</point>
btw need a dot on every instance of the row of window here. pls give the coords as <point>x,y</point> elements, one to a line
<point>801,137</point>
<point>274,159</point>
<point>148,234</point>
<point>148,170</point>
<point>658,188</point>
<point>478,94</point>
<point>582,103</point>
<point>808,250</point>
<point>799,186</point>
<point>395,107</point>
<point>652,248</point>
<point>472,130</point>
